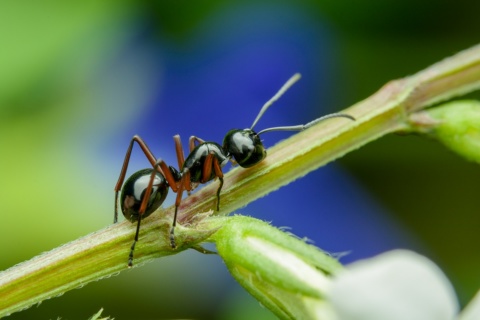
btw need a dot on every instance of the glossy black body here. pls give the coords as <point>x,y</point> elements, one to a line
<point>244,146</point>
<point>134,189</point>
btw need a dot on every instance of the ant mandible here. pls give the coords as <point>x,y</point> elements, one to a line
<point>145,190</point>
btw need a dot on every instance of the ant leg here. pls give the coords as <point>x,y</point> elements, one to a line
<point>179,151</point>
<point>183,182</point>
<point>211,163</point>
<point>181,160</point>
<point>207,168</point>
<point>192,140</point>
<point>172,229</point>
<point>141,211</point>
<point>123,172</point>
<point>148,192</point>
<point>132,248</point>
<point>218,172</point>
<point>159,165</point>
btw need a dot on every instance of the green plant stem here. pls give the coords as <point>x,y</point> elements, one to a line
<point>92,257</point>
<point>105,252</point>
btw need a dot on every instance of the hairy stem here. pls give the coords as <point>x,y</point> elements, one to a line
<point>106,252</point>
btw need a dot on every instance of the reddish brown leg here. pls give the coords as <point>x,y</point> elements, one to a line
<point>179,151</point>
<point>181,186</point>
<point>207,168</point>
<point>160,166</point>
<point>176,186</point>
<point>192,140</point>
<point>184,184</point>
<point>181,161</point>
<point>218,172</point>
<point>211,163</point>
<point>121,178</point>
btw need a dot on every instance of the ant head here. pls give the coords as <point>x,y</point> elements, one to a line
<point>245,146</point>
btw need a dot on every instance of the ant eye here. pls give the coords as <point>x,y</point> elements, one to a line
<point>134,190</point>
<point>245,146</point>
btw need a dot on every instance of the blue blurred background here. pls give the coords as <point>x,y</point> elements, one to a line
<point>78,80</point>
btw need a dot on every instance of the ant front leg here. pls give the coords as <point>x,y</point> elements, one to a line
<point>123,172</point>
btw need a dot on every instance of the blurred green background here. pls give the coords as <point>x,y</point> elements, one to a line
<point>76,78</point>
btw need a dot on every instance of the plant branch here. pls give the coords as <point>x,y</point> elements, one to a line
<point>105,252</point>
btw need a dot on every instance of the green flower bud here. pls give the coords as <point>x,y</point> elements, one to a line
<point>455,124</point>
<point>287,275</point>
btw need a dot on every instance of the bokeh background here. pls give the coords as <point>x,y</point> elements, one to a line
<point>79,79</point>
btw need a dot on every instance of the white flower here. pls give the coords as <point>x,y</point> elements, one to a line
<point>396,285</point>
<point>472,311</point>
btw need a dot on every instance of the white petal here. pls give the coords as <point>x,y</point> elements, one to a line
<point>472,311</point>
<point>396,285</point>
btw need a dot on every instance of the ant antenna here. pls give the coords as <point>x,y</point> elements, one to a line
<point>302,127</point>
<point>290,82</point>
<point>280,92</point>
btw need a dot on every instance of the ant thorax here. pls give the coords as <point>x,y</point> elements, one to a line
<point>195,162</point>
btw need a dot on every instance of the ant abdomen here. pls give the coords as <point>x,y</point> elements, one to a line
<point>134,189</point>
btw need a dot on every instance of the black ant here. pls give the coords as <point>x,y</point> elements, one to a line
<point>145,190</point>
